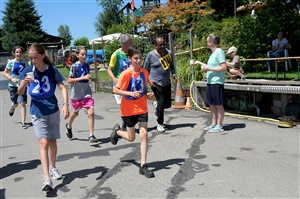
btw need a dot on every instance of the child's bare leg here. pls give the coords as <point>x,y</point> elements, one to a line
<point>72,118</point>
<point>23,112</point>
<point>127,135</point>
<point>91,117</point>
<point>236,72</point>
<point>144,141</point>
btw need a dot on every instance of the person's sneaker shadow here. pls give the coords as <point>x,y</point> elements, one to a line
<point>158,165</point>
<point>230,127</point>
<point>69,177</point>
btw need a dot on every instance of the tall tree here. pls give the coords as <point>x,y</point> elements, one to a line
<point>21,24</point>
<point>109,16</point>
<point>64,32</point>
<point>83,41</point>
<point>127,26</point>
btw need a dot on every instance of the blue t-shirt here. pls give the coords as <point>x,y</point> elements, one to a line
<point>42,90</point>
<point>80,89</point>
<point>15,69</point>
<point>215,61</point>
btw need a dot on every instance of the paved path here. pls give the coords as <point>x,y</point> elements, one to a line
<point>250,159</point>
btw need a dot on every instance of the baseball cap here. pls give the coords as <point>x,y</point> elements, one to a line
<point>231,49</point>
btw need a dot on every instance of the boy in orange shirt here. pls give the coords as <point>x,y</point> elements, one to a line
<point>132,85</point>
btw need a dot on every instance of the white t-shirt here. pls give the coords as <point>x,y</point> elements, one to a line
<point>281,44</point>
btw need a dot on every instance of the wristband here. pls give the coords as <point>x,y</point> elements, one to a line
<point>66,103</point>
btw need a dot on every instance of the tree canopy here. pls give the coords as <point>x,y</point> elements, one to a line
<point>64,32</point>
<point>109,16</point>
<point>174,16</point>
<point>21,24</point>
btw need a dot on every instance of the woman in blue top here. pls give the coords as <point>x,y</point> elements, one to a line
<point>215,68</point>
<point>44,108</point>
<point>12,72</point>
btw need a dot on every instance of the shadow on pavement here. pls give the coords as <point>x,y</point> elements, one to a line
<point>17,167</point>
<point>159,165</point>
<point>69,177</point>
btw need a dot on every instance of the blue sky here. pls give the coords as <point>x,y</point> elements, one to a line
<point>79,15</point>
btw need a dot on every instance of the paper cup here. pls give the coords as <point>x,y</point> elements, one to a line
<point>31,75</point>
<point>191,62</point>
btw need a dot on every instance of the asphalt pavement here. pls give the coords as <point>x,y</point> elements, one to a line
<point>250,159</point>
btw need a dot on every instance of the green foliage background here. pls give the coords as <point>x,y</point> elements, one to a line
<point>21,24</point>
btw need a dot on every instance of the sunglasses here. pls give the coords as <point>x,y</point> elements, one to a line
<point>161,45</point>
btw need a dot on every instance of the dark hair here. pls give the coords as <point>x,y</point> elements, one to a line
<point>132,50</point>
<point>41,50</point>
<point>215,39</point>
<point>73,58</point>
<point>17,47</point>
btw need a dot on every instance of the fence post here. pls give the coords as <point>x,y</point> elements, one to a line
<point>95,67</point>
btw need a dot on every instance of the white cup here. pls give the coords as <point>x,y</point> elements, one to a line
<point>31,75</point>
<point>191,62</point>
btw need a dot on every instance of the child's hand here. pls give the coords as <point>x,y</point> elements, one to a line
<point>88,76</point>
<point>28,80</point>
<point>94,80</point>
<point>150,95</point>
<point>65,111</point>
<point>14,80</point>
<point>136,94</point>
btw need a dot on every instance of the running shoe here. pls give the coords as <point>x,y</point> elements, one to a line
<point>160,128</point>
<point>144,170</point>
<point>114,138</point>
<point>54,173</point>
<point>24,125</point>
<point>47,185</point>
<point>69,131</point>
<point>11,111</point>
<point>92,138</point>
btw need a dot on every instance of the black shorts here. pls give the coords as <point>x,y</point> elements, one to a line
<point>131,121</point>
<point>215,94</point>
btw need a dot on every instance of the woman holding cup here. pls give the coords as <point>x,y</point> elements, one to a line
<point>215,68</point>
<point>12,72</point>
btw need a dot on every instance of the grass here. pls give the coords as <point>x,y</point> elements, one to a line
<point>291,75</point>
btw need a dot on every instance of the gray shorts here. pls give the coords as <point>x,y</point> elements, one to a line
<point>47,126</point>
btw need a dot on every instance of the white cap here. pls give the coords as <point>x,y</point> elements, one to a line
<point>232,49</point>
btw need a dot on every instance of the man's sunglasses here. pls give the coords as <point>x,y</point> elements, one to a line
<point>161,45</point>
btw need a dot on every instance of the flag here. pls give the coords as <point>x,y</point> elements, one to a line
<point>132,4</point>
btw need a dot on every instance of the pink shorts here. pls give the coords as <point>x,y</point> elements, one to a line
<point>86,102</point>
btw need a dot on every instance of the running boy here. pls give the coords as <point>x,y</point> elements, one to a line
<point>132,85</point>
<point>81,94</point>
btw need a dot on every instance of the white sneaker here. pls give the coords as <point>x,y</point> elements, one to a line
<point>47,185</point>
<point>160,128</point>
<point>54,173</point>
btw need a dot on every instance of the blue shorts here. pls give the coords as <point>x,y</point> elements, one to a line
<point>215,94</point>
<point>47,126</point>
<point>131,121</point>
<point>14,97</point>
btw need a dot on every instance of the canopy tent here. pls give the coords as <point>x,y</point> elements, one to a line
<point>108,38</point>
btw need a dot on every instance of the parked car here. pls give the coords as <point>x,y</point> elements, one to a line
<point>2,66</point>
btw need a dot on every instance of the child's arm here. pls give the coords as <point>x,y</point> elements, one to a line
<point>73,80</point>
<point>135,94</point>
<point>65,109</point>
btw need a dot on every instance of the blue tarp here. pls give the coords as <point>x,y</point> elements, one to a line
<point>100,54</point>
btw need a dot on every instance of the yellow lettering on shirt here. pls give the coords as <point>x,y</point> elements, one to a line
<point>166,61</point>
